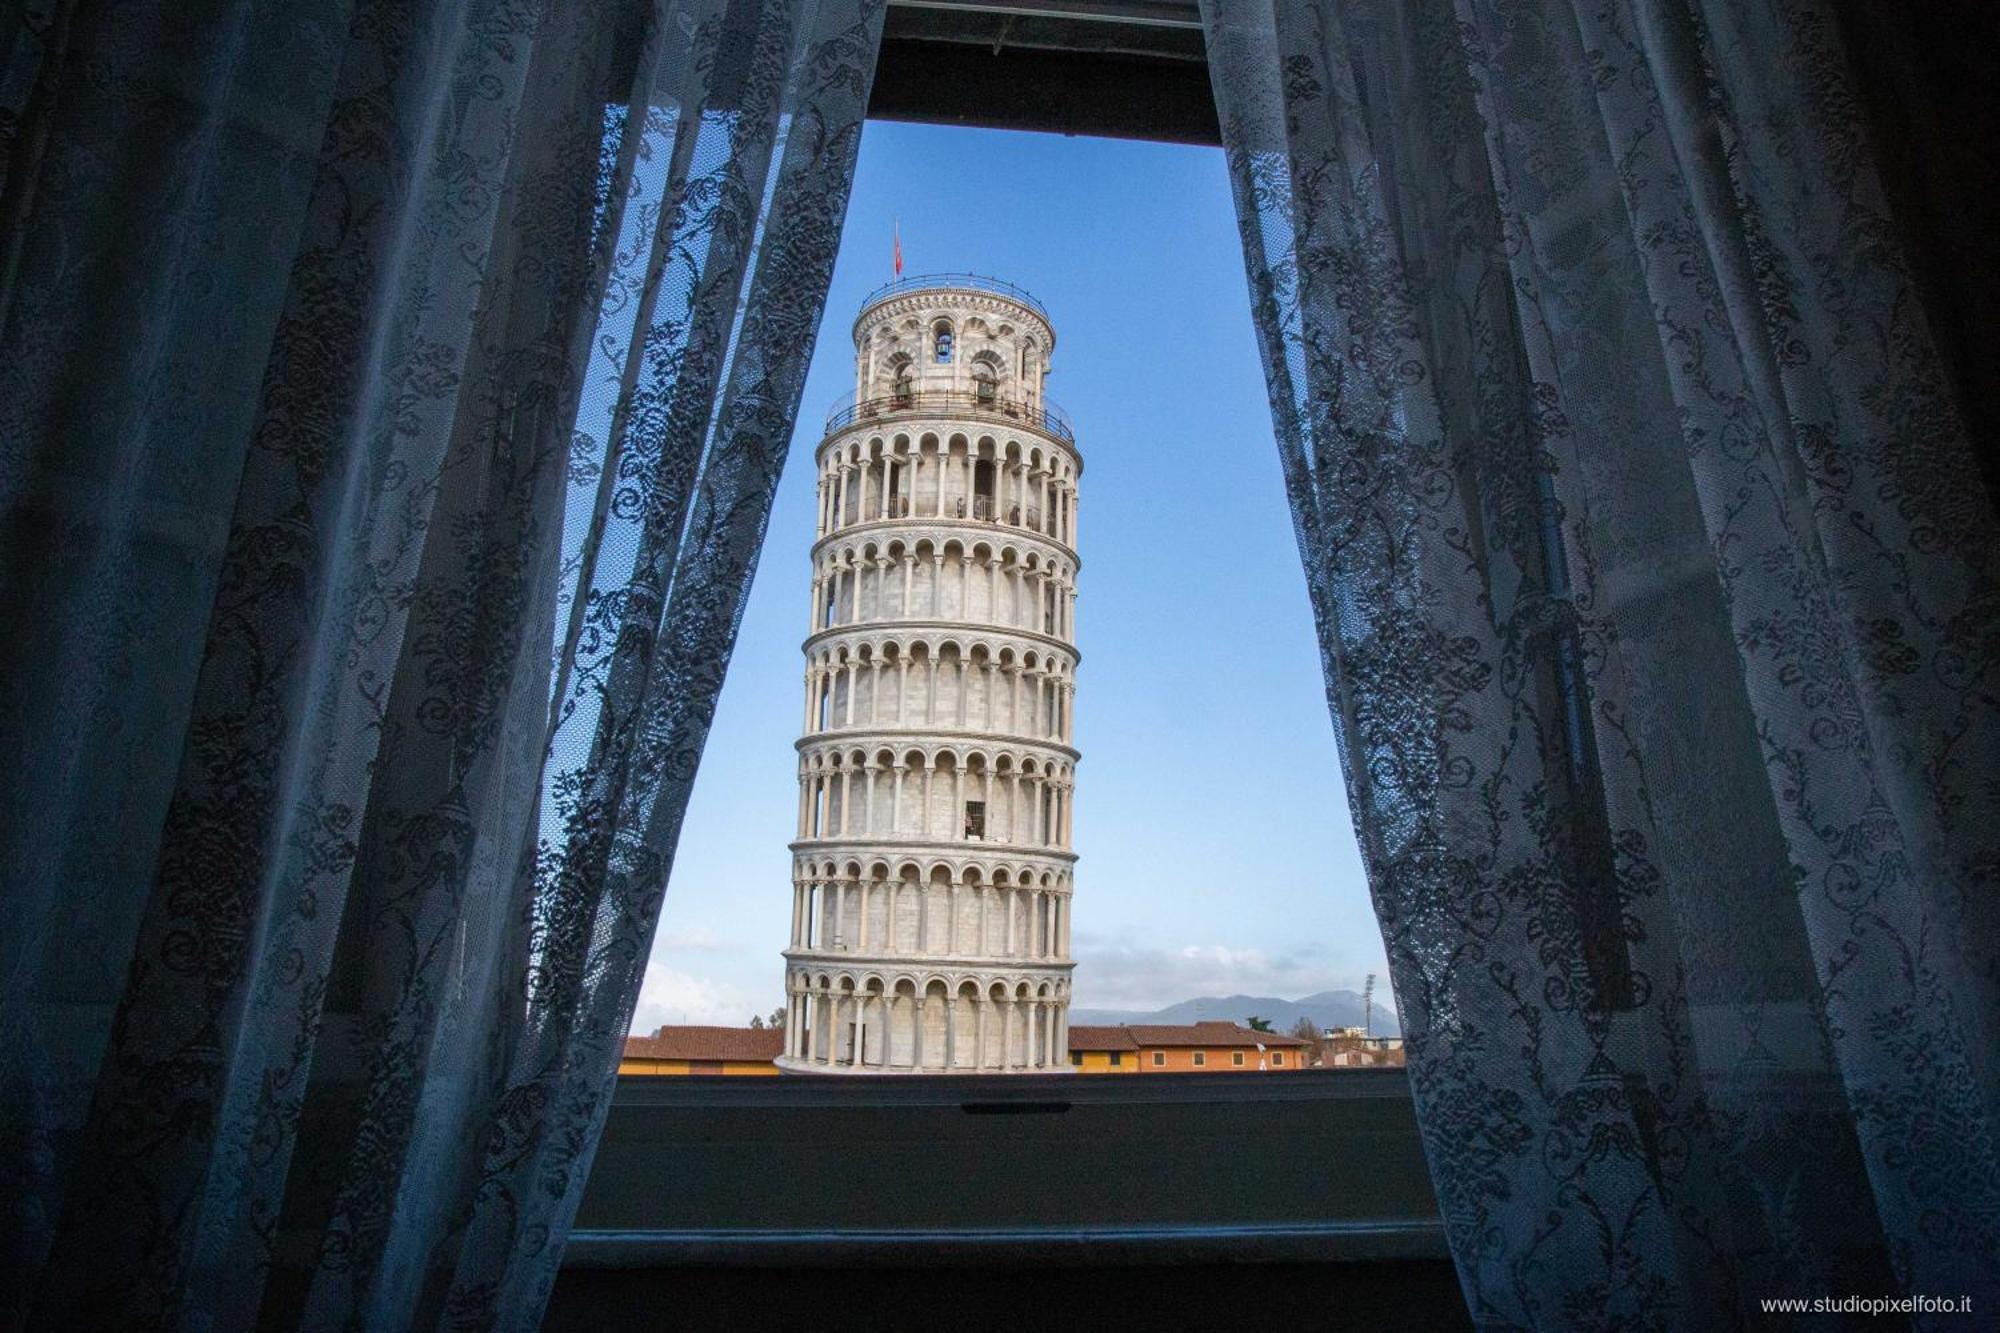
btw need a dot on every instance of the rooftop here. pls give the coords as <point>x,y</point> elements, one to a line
<point>1135,1036</point>
<point>707,1043</point>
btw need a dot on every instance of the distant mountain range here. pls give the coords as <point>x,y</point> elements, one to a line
<point>1327,1009</point>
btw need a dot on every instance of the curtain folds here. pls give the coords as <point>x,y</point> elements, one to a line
<point>392,397</point>
<point>1659,604</point>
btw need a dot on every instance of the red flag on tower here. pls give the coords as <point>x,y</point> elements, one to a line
<point>899,249</point>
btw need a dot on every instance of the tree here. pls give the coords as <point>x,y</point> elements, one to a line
<point>1258,1024</point>
<point>756,1023</point>
<point>1308,1032</point>
<point>777,1018</point>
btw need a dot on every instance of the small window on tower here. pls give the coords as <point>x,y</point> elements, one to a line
<point>975,820</point>
<point>942,344</point>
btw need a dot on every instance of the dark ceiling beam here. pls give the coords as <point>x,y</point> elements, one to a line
<point>1134,71</point>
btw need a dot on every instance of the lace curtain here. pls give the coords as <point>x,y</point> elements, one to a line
<point>367,602</point>
<point>1660,615</point>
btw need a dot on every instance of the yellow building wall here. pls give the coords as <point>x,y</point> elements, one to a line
<point>1180,1059</point>
<point>751,1067</point>
<point>1099,1062</point>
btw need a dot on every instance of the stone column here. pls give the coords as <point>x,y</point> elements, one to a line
<point>917,1034</point>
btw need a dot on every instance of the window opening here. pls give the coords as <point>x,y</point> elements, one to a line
<point>975,820</point>
<point>982,489</point>
<point>941,344</point>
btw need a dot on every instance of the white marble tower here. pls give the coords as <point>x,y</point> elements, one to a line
<point>932,873</point>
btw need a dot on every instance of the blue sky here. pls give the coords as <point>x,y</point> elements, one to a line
<point>1216,850</point>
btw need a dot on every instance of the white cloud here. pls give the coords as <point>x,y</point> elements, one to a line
<point>671,996</point>
<point>1114,975</point>
<point>693,939</point>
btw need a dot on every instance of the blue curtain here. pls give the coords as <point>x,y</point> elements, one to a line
<point>392,395</point>
<point>1659,602</point>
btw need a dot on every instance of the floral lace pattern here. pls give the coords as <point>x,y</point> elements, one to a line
<point>367,687</point>
<point>1660,613</point>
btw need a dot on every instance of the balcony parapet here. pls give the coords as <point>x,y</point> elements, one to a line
<point>1045,417</point>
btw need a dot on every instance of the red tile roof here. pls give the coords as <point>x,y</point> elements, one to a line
<point>707,1043</point>
<point>1133,1036</point>
<point>1084,1037</point>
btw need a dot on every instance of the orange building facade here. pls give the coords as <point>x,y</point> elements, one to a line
<point>1187,1048</point>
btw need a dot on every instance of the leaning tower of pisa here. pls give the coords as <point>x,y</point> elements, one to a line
<point>932,872</point>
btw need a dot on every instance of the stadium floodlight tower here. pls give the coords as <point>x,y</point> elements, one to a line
<point>932,872</point>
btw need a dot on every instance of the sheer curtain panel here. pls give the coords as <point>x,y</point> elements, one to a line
<point>1656,590</point>
<point>392,395</point>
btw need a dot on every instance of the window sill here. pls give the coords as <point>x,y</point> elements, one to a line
<point>1310,1166</point>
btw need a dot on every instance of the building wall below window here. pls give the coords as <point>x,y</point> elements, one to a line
<point>1099,1062</point>
<point>630,1065</point>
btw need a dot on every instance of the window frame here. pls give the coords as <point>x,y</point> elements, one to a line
<point>1407,1227</point>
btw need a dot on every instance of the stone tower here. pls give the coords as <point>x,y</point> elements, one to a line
<point>932,873</point>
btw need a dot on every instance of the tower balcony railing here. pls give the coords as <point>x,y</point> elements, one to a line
<point>951,402</point>
<point>973,282</point>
